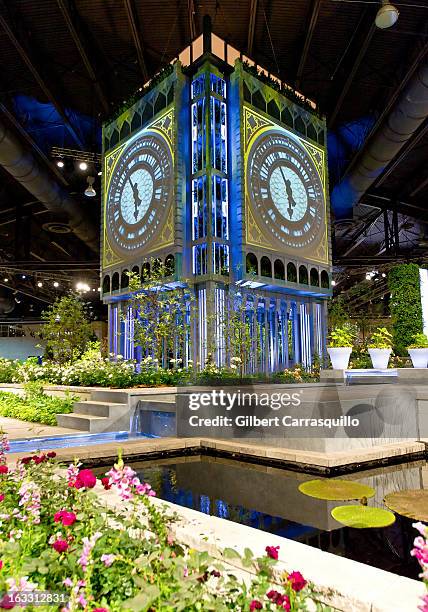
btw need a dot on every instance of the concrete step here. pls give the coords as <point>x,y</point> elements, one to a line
<point>161,405</point>
<point>83,422</point>
<point>102,409</point>
<point>114,396</point>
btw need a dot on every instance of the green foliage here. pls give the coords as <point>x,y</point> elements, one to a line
<point>298,374</point>
<point>419,341</point>
<point>405,304</point>
<point>66,330</point>
<point>8,370</point>
<point>343,336</point>
<point>120,558</point>
<point>381,339</point>
<point>337,313</point>
<point>35,406</point>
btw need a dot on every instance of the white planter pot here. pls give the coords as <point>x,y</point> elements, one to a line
<point>340,357</point>
<point>380,358</point>
<point>419,357</point>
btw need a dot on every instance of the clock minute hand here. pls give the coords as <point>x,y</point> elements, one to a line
<point>288,188</point>
<point>136,195</point>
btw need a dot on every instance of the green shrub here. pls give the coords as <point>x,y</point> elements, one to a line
<point>35,406</point>
<point>381,339</point>
<point>8,370</point>
<point>405,304</point>
<point>342,337</point>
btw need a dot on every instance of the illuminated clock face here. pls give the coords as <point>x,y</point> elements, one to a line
<point>286,190</point>
<point>139,193</point>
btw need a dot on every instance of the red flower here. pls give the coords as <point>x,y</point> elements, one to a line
<point>297,581</point>
<point>1,564</point>
<point>4,469</point>
<point>38,459</point>
<point>60,546</point>
<point>255,605</point>
<point>65,517</point>
<point>26,460</point>
<point>51,454</point>
<point>105,482</point>
<point>100,610</point>
<point>272,551</point>
<point>279,599</point>
<point>286,603</point>
<point>7,602</point>
<point>85,478</point>
<point>1,497</point>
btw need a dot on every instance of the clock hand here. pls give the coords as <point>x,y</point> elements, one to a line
<point>288,188</point>
<point>136,195</point>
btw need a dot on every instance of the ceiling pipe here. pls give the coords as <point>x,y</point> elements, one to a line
<point>20,163</point>
<point>407,115</point>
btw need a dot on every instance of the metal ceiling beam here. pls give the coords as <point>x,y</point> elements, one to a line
<point>27,57</point>
<point>191,15</point>
<point>310,29</point>
<point>405,208</point>
<point>420,186</point>
<point>136,37</point>
<point>71,21</point>
<point>252,26</point>
<point>362,50</point>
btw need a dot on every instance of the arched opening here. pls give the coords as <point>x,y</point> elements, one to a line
<point>325,280</point>
<point>303,275</point>
<point>291,273</point>
<point>157,266</point>
<point>145,272</point>
<point>124,279</point>
<point>136,270</point>
<point>314,277</point>
<point>278,270</point>
<point>115,282</point>
<point>169,265</point>
<point>266,267</point>
<point>251,264</point>
<point>106,284</point>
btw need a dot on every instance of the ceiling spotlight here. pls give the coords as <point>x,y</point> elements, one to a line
<point>100,173</point>
<point>56,284</point>
<point>386,16</point>
<point>40,284</point>
<point>90,191</point>
<point>6,280</point>
<point>333,283</point>
<point>368,276</point>
<point>60,163</point>
<point>23,277</point>
<point>83,287</point>
<point>83,165</point>
<point>383,275</point>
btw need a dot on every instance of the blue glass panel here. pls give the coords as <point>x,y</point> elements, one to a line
<point>200,259</point>
<point>218,85</point>
<point>220,207</point>
<point>218,135</point>
<point>220,258</point>
<point>198,135</point>
<point>199,208</point>
<point>198,86</point>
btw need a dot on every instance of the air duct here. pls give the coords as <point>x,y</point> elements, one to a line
<point>409,112</point>
<point>27,170</point>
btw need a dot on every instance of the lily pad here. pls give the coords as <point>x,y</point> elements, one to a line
<point>335,490</point>
<point>412,503</point>
<point>362,517</point>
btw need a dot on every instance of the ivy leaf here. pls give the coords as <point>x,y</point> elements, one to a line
<point>231,553</point>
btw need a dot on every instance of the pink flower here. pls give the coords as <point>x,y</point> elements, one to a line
<point>1,497</point>
<point>60,546</point>
<point>88,545</point>
<point>424,606</point>
<point>105,481</point>
<point>100,610</point>
<point>108,559</point>
<point>65,517</point>
<point>67,582</point>
<point>7,602</point>
<point>4,469</point>
<point>255,605</point>
<point>279,599</point>
<point>272,551</point>
<point>1,564</point>
<point>85,479</point>
<point>297,581</point>
<point>286,603</point>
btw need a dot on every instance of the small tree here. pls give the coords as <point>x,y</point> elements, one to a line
<point>66,330</point>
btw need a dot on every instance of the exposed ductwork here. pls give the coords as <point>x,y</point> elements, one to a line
<point>409,112</point>
<point>27,170</point>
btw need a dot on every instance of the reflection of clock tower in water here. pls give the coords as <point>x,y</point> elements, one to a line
<point>222,177</point>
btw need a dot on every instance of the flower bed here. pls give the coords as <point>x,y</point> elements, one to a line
<point>59,542</point>
<point>35,406</point>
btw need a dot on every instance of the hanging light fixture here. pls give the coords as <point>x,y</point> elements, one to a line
<point>90,191</point>
<point>386,16</point>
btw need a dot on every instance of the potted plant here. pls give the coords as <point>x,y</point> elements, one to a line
<point>380,348</point>
<point>418,351</point>
<point>340,346</point>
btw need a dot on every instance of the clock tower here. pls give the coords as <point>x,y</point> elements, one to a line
<point>219,171</point>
